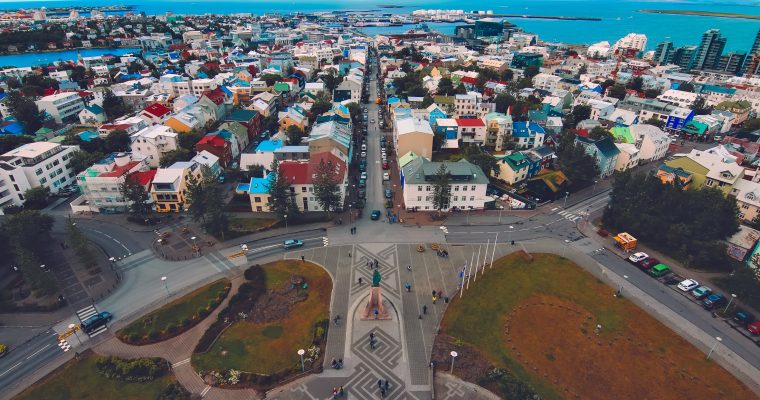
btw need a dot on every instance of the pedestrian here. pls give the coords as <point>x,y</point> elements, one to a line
<point>360,281</point>
<point>303,259</point>
<point>349,254</point>
<point>434,299</point>
<point>379,383</point>
<point>340,391</point>
<point>446,299</point>
<point>419,316</point>
<point>382,392</point>
<point>335,393</point>
<point>440,294</point>
<point>424,309</point>
<point>387,385</point>
<point>372,335</point>
<point>336,319</point>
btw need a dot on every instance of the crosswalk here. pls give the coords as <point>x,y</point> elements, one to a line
<point>64,345</point>
<point>570,216</point>
<point>88,312</point>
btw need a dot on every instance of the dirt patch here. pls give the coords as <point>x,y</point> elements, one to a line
<point>276,305</point>
<point>561,342</point>
<point>470,364</point>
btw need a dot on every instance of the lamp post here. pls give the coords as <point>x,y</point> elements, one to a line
<point>72,326</point>
<point>301,353</point>
<point>286,222</point>
<point>620,290</point>
<point>593,189</point>
<point>717,340</point>
<point>564,205</point>
<point>166,286</point>
<point>733,296</point>
<point>194,247</point>
<point>564,249</point>
<point>509,237</point>
<point>453,356</point>
<point>501,208</point>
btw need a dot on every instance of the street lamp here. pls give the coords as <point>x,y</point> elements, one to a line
<point>501,208</point>
<point>509,238</point>
<point>194,246</point>
<point>301,353</point>
<point>166,286</point>
<point>564,205</point>
<point>286,222</point>
<point>564,249</point>
<point>593,189</point>
<point>620,290</point>
<point>717,340</point>
<point>72,326</point>
<point>453,356</point>
<point>733,296</point>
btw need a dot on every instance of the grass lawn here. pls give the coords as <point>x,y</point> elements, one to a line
<point>78,380</point>
<point>175,312</point>
<point>539,321</point>
<point>249,224</point>
<point>263,348</point>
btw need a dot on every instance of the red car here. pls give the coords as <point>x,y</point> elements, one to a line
<point>385,165</point>
<point>754,328</point>
<point>647,263</point>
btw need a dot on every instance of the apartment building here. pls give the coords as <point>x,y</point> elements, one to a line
<point>63,107</point>
<point>678,98</point>
<point>467,187</point>
<point>32,165</point>
<point>153,142</point>
<point>169,187</point>
<point>100,184</point>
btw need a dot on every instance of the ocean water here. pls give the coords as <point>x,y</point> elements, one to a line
<point>618,17</point>
<point>45,58</point>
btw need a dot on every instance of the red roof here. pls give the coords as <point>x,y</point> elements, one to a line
<point>143,178</point>
<point>216,95</point>
<point>157,110</point>
<point>471,81</point>
<point>115,127</point>
<point>119,170</point>
<point>296,172</point>
<point>213,140</point>
<point>329,159</point>
<point>470,122</point>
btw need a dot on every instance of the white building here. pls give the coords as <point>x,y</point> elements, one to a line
<point>631,41</point>
<point>100,184</point>
<point>547,82</point>
<point>63,107</point>
<point>652,142</point>
<point>599,50</point>
<point>628,157</point>
<point>465,105</point>
<point>678,98</point>
<point>33,165</point>
<point>153,142</point>
<point>467,188</point>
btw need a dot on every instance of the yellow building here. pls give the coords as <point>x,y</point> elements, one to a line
<point>169,188</point>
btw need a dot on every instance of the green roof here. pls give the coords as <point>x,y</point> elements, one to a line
<point>444,99</point>
<point>407,158</point>
<point>622,134</point>
<point>695,127</point>
<point>553,179</point>
<point>516,161</point>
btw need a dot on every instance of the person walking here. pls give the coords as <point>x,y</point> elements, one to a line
<point>424,310</point>
<point>341,392</point>
<point>360,281</point>
<point>303,259</point>
<point>380,384</point>
<point>386,386</point>
<point>434,299</point>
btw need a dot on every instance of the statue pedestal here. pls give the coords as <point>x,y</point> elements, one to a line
<point>375,309</point>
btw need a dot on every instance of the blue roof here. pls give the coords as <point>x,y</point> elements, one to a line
<point>95,109</point>
<point>718,89</point>
<point>526,129</point>
<point>242,115</point>
<point>88,135</point>
<point>14,128</point>
<point>268,146</point>
<point>260,185</point>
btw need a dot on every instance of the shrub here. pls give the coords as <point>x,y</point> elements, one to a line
<point>254,273</point>
<point>186,322</point>
<point>201,312</point>
<point>174,391</point>
<point>153,334</point>
<point>134,370</point>
<point>133,338</point>
<point>171,328</point>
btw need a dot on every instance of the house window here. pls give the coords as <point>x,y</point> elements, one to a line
<point>472,188</point>
<point>464,188</point>
<point>419,188</point>
<point>257,199</point>
<point>456,198</point>
<point>472,198</point>
<point>456,188</point>
<point>303,189</point>
<point>419,198</point>
<point>38,172</point>
<point>427,188</point>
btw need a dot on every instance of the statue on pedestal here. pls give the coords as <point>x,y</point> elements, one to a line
<point>375,309</point>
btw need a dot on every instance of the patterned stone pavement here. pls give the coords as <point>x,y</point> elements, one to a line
<point>404,343</point>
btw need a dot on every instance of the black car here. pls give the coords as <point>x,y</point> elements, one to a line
<point>388,193</point>
<point>362,193</point>
<point>96,321</point>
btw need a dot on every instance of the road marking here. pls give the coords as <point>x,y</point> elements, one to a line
<point>183,362</point>
<point>555,209</point>
<point>203,393</point>
<point>38,351</point>
<point>9,369</point>
<point>112,238</point>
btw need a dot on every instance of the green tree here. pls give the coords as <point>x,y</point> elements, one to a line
<point>25,111</point>
<point>579,167</point>
<point>25,230</point>
<point>10,142</point>
<point>531,71</point>
<point>117,141</point>
<point>655,122</point>
<point>580,113</point>
<point>81,160</point>
<point>651,93</point>
<point>636,83</point>
<point>326,188</point>
<point>598,132</point>
<point>271,79</point>
<point>320,107</point>
<point>700,106</point>
<point>295,135</point>
<point>445,87</point>
<point>503,101</point>
<point>460,89</point>
<point>482,159</point>
<point>441,188</point>
<point>281,198</point>
<point>507,75</point>
<point>750,125</point>
<point>37,197</point>
<point>206,202</point>
<point>113,105</point>
<point>617,91</point>
<point>170,157</point>
<point>686,87</point>
<point>188,140</point>
<point>137,198</point>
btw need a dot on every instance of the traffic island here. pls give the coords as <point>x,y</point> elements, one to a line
<point>527,328</point>
<point>281,309</point>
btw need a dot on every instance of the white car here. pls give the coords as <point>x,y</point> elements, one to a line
<point>636,257</point>
<point>688,285</point>
<point>386,176</point>
<point>364,175</point>
<point>364,154</point>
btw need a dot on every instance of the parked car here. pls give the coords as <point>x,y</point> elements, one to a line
<point>292,244</point>
<point>701,292</point>
<point>363,175</point>
<point>659,270</point>
<point>96,321</point>
<point>647,263</point>
<point>386,176</point>
<point>754,328</point>
<point>636,257</point>
<point>364,147</point>
<point>362,194</point>
<point>388,193</point>
<point>385,165</point>
<point>375,215</point>
<point>714,300</point>
<point>364,154</point>
<point>687,285</point>
<point>744,318</point>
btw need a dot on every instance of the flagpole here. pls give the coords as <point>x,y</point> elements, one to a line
<point>494,249</point>
<point>477,265</point>
<point>469,270</point>
<point>461,280</point>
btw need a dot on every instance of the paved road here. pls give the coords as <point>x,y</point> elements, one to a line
<point>28,357</point>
